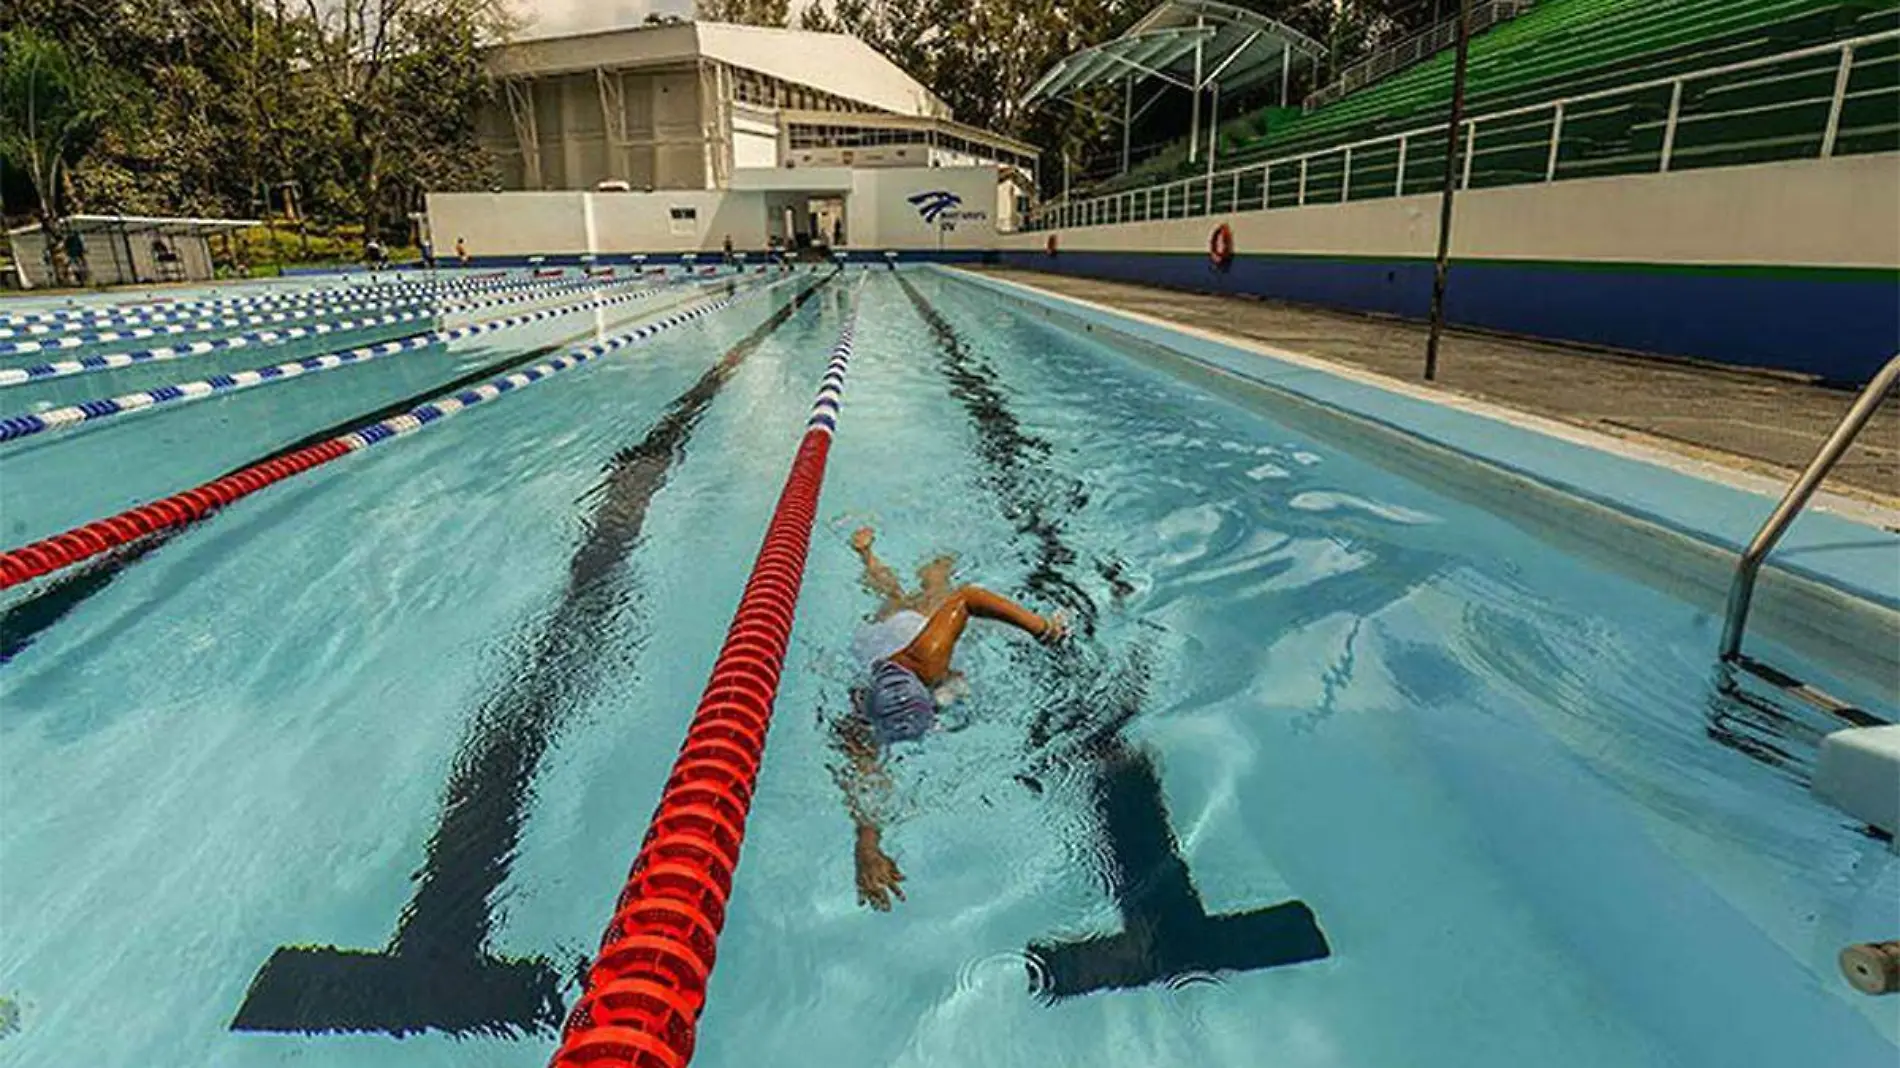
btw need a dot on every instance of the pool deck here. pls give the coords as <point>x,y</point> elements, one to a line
<point>1760,422</point>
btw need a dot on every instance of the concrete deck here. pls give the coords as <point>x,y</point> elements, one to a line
<point>1756,421</point>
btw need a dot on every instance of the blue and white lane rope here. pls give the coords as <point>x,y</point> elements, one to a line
<point>410,312</point>
<point>15,427</point>
<point>824,409</point>
<point>31,324</point>
<point>442,407</point>
<point>81,312</point>
<point>65,322</point>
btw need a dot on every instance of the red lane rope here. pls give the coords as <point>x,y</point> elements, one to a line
<point>81,543</point>
<point>103,535</point>
<point>646,988</point>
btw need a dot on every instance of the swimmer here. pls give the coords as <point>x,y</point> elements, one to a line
<point>905,654</point>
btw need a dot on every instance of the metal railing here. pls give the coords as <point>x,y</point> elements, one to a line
<point>1379,166</point>
<point>1413,50</point>
<point>1742,590</point>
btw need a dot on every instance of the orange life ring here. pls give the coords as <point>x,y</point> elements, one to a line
<point>1050,245</point>
<point>1220,247</point>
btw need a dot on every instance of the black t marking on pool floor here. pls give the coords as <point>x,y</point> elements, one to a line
<point>436,973</point>
<point>1166,933</point>
<point>21,623</point>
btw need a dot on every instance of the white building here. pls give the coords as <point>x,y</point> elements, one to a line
<point>683,106</point>
<point>681,137</point>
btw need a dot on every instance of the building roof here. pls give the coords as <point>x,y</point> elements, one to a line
<point>1235,48</point>
<point>834,63</point>
<point>157,224</point>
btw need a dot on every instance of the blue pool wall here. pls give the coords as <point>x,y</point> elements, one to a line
<point>1834,325</point>
<point>1791,266</point>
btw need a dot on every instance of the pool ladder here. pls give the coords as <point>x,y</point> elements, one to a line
<point>1742,589</point>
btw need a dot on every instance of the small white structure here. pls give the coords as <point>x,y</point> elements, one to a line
<point>123,249</point>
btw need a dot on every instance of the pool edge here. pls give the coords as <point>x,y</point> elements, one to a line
<point>1840,543</point>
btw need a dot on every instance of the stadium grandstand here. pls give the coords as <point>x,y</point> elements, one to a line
<point>1567,89</point>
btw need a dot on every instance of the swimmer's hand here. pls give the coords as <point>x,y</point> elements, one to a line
<point>878,877</point>
<point>1055,627</point>
<point>861,540</point>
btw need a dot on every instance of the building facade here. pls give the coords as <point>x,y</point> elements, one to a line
<point>683,106</point>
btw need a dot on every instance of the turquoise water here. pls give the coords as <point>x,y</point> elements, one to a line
<point>1481,766</point>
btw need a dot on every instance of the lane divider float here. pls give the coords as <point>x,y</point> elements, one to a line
<point>405,313</point>
<point>136,325</point>
<point>15,427</point>
<point>645,989</point>
<point>71,312</point>
<point>82,543</point>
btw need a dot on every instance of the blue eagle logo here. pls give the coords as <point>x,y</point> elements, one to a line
<point>934,203</point>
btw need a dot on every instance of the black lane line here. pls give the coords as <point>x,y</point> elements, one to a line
<point>25,621</point>
<point>1166,933</point>
<point>1023,484</point>
<point>436,972</point>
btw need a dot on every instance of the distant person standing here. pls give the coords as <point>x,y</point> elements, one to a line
<point>727,248</point>
<point>428,255</point>
<point>76,258</point>
<point>166,258</point>
<point>461,251</point>
<point>375,254</point>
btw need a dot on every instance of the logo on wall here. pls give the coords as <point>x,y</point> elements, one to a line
<point>934,203</point>
<point>943,209</point>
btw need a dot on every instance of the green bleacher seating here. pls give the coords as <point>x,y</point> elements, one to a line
<point>1567,48</point>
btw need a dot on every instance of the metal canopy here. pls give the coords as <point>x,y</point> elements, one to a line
<point>1196,45</point>
<point>1236,49</point>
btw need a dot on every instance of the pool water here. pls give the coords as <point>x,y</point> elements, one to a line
<point>1337,769</point>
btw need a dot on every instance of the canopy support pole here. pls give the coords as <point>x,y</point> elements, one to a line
<point>1127,120</point>
<point>1194,121</point>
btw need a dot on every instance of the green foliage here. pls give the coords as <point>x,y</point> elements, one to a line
<point>55,105</point>
<point>342,109</point>
<point>748,12</point>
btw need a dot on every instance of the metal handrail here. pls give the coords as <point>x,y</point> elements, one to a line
<point>1412,51</point>
<point>1742,591</point>
<point>1556,107</point>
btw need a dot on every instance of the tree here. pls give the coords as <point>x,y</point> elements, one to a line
<point>405,77</point>
<point>748,12</point>
<point>54,107</point>
<point>980,58</point>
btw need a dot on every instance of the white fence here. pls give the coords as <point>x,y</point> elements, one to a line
<point>1801,117</point>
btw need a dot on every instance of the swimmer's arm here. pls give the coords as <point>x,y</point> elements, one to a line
<point>862,779</point>
<point>878,877</point>
<point>986,605</point>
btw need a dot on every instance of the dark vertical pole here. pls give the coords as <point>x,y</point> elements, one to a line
<point>1453,146</point>
<point>118,268</point>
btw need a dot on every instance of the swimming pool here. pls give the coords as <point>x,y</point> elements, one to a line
<point>1345,765</point>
